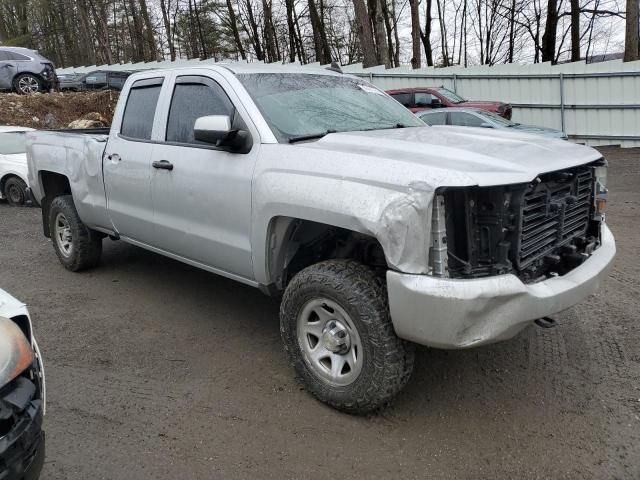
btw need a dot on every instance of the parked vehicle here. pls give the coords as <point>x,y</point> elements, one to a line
<point>22,394</point>
<point>418,99</point>
<point>26,71</point>
<point>97,80</point>
<point>13,164</point>
<point>377,230</point>
<point>70,81</point>
<point>474,117</point>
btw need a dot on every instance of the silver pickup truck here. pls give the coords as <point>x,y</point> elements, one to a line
<point>377,231</point>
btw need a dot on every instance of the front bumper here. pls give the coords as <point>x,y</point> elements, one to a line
<point>454,313</point>
<point>22,449</point>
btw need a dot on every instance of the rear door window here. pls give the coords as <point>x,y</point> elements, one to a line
<point>194,97</point>
<point>435,118</point>
<point>423,99</point>
<point>139,113</point>
<point>464,119</point>
<point>405,99</point>
<point>17,56</point>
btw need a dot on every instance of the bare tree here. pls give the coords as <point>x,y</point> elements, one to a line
<point>365,33</point>
<point>631,39</point>
<point>415,33</point>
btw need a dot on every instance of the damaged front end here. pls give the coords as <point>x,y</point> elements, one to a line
<point>537,230</point>
<point>21,401</point>
<point>502,257</point>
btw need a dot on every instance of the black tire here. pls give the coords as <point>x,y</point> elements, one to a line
<point>387,361</point>
<point>85,244</point>
<point>27,83</point>
<point>15,191</point>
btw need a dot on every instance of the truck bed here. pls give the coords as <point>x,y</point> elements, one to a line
<point>77,155</point>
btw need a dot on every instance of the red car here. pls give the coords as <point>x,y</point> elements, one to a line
<point>417,99</point>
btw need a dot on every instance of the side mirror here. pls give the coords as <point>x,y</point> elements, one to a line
<point>217,130</point>
<point>436,103</point>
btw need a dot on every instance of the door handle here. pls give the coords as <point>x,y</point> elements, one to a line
<point>163,165</point>
<point>114,157</point>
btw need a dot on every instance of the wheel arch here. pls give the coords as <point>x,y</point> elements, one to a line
<point>52,185</point>
<point>294,243</point>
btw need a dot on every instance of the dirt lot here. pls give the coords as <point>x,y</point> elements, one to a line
<point>158,370</point>
<point>54,110</point>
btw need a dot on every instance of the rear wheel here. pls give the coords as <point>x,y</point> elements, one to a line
<point>337,331</point>
<point>15,191</point>
<point>27,83</point>
<point>77,246</point>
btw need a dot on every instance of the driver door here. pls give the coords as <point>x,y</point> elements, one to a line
<point>201,194</point>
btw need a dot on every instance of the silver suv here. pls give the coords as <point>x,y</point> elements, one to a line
<point>25,71</point>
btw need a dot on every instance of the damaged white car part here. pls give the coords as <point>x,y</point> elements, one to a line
<point>22,393</point>
<point>16,353</point>
<point>375,230</point>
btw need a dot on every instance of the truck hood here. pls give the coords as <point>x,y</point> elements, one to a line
<point>478,156</point>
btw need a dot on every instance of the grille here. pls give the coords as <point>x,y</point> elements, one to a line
<point>554,212</point>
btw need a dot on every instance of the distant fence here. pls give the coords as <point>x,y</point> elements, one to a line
<point>597,104</point>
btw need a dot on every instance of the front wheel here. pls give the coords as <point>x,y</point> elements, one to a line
<point>27,83</point>
<point>338,334</point>
<point>77,246</point>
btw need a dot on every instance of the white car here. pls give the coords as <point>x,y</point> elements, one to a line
<point>13,164</point>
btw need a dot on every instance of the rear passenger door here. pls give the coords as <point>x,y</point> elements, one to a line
<point>202,205</point>
<point>127,162</point>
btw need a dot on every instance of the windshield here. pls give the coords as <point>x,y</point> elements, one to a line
<point>494,117</point>
<point>296,105</point>
<point>451,96</point>
<point>13,143</point>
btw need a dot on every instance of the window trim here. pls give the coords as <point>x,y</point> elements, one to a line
<point>143,83</point>
<point>199,79</point>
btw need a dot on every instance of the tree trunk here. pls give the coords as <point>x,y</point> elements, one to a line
<point>323,53</point>
<point>381,37</point>
<point>426,36</point>
<point>512,23</point>
<point>269,32</point>
<point>443,37</point>
<point>254,32</point>
<point>415,33</point>
<point>291,27</point>
<point>550,32</point>
<point>167,29</point>
<point>152,51</point>
<point>631,40</point>
<point>365,34</point>
<point>234,29</point>
<point>389,28</point>
<point>575,30</point>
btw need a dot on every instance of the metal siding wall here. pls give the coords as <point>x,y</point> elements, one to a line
<point>607,94</point>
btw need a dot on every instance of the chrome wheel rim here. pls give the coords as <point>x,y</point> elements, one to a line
<point>28,85</point>
<point>330,343</point>
<point>64,239</point>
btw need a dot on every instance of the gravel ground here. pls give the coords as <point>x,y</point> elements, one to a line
<point>158,370</point>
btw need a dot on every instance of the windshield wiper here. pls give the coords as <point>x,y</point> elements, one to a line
<point>311,136</point>
<point>397,125</point>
